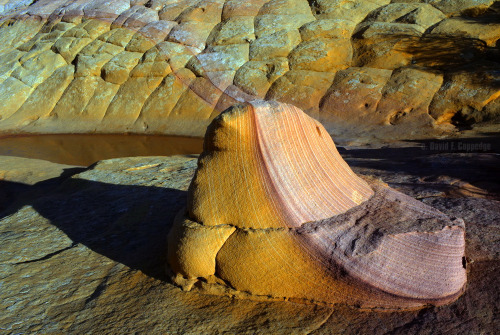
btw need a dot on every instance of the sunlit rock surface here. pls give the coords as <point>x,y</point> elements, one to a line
<point>85,252</point>
<point>275,212</point>
<point>380,69</point>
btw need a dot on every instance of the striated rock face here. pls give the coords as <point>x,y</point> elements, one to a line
<point>274,211</point>
<point>286,159</point>
<point>383,69</point>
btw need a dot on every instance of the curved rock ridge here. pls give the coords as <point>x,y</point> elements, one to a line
<point>276,154</point>
<point>383,69</point>
<point>274,212</point>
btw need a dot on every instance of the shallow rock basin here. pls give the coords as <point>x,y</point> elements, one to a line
<point>85,149</point>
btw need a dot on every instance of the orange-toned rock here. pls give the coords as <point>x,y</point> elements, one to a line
<point>263,144</point>
<point>255,77</point>
<point>377,44</point>
<point>327,28</point>
<point>488,32</point>
<point>277,15</point>
<point>407,96</point>
<point>351,10</point>
<point>285,217</point>
<point>422,14</point>
<point>233,30</point>
<point>303,89</point>
<point>450,7</point>
<point>466,95</point>
<point>322,55</point>
<point>353,97</point>
<point>278,44</point>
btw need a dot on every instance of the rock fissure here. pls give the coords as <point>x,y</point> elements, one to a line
<point>48,256</point>
<point>91,300</point>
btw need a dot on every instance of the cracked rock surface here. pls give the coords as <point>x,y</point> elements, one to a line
<point>83,250</point>
<point>373,68</point>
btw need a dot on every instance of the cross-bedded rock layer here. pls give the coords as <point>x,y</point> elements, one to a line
<point>389,69</point>
<point>274,211</point>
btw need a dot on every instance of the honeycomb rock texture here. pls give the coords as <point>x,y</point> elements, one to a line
<point>377,68</point>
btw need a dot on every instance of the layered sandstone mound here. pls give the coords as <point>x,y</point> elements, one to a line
<point>82,253</point>
<point>274,212</point>
<point>392,69</point>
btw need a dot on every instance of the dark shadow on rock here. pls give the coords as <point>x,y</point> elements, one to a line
<point>128,224</point>
<point>13,192</point>
<point>9,193</point>
<point>458,58</point>
<point>473,160</point>
<point>484,15</point>
<point>451,53</point>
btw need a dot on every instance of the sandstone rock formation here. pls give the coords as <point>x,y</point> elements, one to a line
<point>274,211</point>
<point>378,68</point>
<point>83,250</point>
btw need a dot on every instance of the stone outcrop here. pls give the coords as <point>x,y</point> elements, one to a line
<point>169,67</point>
<point>296,223</point>
<point>83,250</point>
